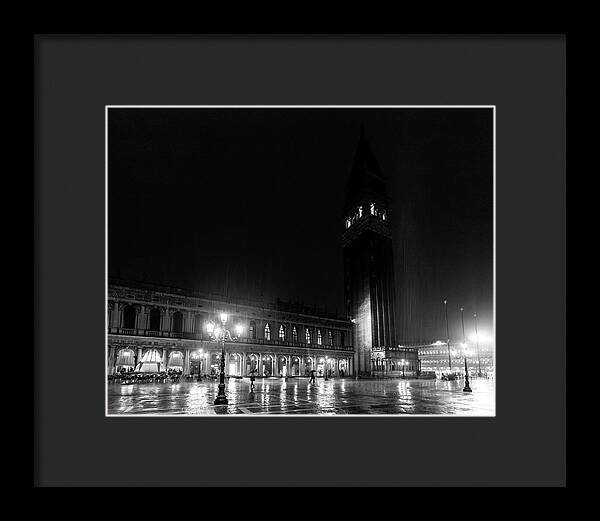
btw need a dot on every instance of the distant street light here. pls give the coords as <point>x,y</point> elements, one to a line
<point>447,335</point>
<point>467,388</point>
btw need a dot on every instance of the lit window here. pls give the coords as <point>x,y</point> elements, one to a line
<point>330,337</point>
<point>267,332</point>
<point>360,211</point>
<point>281,333</point>
<point>383,215</point>
<point>307,336</point>
<point>372,208</point>
<point>294,334</point>
<point>348,223</point>
<point>319,338</point>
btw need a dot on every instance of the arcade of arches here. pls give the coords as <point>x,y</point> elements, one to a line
<point>192,361</point>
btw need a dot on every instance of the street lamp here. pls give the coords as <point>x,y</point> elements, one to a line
<point>220,334</point>
<point>403,364</point>
<point>477,342</point>
<point>447,335</point>
<point>467,388</point>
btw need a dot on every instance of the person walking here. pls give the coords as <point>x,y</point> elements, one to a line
<point>312,377</point>
<point>252,378</point>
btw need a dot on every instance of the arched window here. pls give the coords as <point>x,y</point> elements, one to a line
<point>330,337</point>
<point>294,334</point>
<point>281,333</point>
<point>360,211</point>
<point>342,338</point>
<point>372,208</point>
<point>307,335</point>
<point>198,324</point>
<point>252,330</point>
<point>177,322</point>
<point>129,317</point>
<point>155,319</point>
<point>319,337</point>
<point>267,332</point>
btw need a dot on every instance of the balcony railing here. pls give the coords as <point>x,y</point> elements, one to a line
<point>185,335</point>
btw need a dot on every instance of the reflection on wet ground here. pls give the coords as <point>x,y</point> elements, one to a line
<point>298,396</point>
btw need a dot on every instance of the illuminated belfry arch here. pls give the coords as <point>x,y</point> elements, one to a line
<point>369,285</point>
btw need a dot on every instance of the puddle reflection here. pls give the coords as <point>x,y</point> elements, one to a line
<point>299,396</point>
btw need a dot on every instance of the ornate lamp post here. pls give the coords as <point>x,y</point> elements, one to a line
<point>477,343</point>
<point>220,334</point>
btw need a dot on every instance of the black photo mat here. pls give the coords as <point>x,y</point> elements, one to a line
<point>76,77</point>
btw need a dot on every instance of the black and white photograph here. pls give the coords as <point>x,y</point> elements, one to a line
<point>324,260</point>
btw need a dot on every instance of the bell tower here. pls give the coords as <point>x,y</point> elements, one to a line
<point>369,286</point>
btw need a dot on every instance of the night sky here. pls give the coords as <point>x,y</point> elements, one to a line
<point>248,203</point>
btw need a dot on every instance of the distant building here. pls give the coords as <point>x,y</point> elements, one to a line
<point>433,356</point>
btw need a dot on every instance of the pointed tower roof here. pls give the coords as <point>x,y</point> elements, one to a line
<point>366,177</point>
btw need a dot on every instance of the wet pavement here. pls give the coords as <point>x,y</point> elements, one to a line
<point>275,396</point>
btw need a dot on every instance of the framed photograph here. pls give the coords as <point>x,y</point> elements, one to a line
<point>273,209</point>
<point>300,251</point>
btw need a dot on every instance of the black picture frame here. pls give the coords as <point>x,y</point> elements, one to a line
<point>524,77</point>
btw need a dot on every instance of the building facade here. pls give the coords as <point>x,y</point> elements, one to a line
<point>369,284</point>
<point>434,356</point>
<point>154,329</point>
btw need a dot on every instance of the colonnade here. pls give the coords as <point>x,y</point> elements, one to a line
<point>237,362</point>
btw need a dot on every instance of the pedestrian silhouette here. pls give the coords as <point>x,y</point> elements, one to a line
<point>312,377</point>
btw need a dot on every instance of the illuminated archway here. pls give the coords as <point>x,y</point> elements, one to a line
<point>151,362</point>
<point>125,360</point>
<point>234,368</point>
<point>320,366</point>
<point>309,365</point>
<point>268,365</point>
<point>175,361</point>
<point>295,366</point>
<point>251,363</point>
<point>282,366</point>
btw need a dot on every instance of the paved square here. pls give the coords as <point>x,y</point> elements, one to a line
<point>275,396</point>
